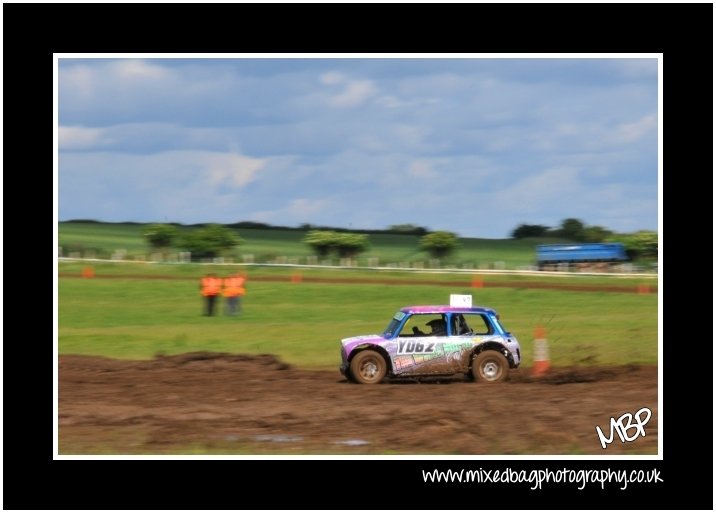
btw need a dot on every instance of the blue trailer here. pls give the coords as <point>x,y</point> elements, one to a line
<point>572,254</point>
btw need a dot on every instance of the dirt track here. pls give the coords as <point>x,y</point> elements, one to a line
<point>238,404</point>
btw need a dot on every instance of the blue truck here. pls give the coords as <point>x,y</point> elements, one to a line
<point>549,255</point>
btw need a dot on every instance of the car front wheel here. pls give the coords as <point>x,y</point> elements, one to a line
<point>490,367</point>
<point>368,367</point>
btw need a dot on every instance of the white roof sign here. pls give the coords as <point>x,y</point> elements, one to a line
<point>462,300</point>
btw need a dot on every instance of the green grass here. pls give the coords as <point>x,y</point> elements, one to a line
<point>109,237</point>
<point>192,271</point>
<point>302,323</point>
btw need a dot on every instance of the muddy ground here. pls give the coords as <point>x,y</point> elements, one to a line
<point>211,403</point>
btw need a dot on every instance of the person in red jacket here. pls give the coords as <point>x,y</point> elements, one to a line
<point>210,288</point>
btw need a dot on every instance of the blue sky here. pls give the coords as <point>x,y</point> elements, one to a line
<point>475,146</point>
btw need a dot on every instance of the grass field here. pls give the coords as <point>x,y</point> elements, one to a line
<point>132,317</point>
<point>102,239</point>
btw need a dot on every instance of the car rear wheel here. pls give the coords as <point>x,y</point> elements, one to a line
<point>490,367</point>
<point>368,367</point>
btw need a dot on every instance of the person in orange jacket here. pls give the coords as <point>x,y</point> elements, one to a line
<point>210,288</point>
<point>234,290</point>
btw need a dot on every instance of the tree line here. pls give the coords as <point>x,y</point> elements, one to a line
<point>213,240</point>
<point>400,229</point>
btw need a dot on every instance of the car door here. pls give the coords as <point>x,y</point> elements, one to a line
<point>466,331</point>
<point>416,352</point>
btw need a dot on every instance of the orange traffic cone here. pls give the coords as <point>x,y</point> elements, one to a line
<point>541,360</point>
<point>296,278</point>
<point>477,282</point>
<point>88,272</point>
<point>643,289</point>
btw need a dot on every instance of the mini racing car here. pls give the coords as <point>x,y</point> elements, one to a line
<point>441,340</point>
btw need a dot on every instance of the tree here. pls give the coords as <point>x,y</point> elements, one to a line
<point>641,244</point>
<point>529,230</point>
<point>210,241</point>
<point>348,245</point>
<point>321,241</point>
<point>345,245</point>
<point>596,234</point>
<point>572,229</point>
<point>439,244</point>
<point>647,243</point>
<point>160,236</point>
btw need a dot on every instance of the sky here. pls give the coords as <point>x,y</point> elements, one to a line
<point>467,144</point>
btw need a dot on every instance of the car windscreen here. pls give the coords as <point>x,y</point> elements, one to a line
<point>394,324</point>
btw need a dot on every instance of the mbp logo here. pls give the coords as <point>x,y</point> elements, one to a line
<point>622,426</point>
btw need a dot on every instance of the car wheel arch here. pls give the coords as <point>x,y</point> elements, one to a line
<point>492,346</point>
<point>378,349</point>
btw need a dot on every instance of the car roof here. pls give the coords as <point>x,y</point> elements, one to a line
<point>446,309</point>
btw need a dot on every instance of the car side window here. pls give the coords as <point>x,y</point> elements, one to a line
<point>424,325</point>
<point>478,324</point>
<point>459,326</point>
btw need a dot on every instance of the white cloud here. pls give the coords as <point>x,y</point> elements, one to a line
<point>370,143</point>
<point>175,185</point>
<point>77,80</point>
<point>137,69</point>
<point>167,171</point>
<point>114,84</point>
<point>354,92</point>
<point>391,102</point>
<point>421,169</point>
<point>298,210</point>
<point>540,190</point>
<point>306,207</point>
<point>229,169</point>
<point>637,68</point>
<point>569,128</point>
<point>630,132</point>
<point>79,138</point>
<point>411,135</point>
<point>332,77</point>
<point>595,138</point>
<point>625,215</point>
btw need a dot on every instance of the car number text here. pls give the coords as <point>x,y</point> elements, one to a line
<point>413,347</point>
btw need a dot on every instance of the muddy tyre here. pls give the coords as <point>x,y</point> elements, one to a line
<point>490,367</point>
<point>368,367</point>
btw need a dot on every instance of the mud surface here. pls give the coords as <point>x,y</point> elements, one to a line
<point>239,404</point>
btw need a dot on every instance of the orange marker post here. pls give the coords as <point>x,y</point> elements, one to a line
<point>643,289</point>
<point>541,359</point>
<point>296,278</point>
<point>88,272</point>
<point>477,282</point>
